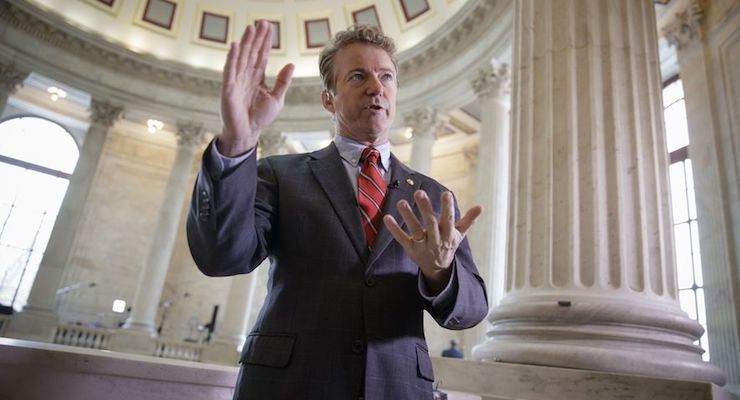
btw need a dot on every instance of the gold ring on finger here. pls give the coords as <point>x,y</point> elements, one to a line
<point>422,237</point>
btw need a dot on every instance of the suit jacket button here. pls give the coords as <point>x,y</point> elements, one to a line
<point>370,281</point>
<point>358,346</point>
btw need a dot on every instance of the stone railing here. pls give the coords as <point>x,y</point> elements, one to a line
<point>79,336</point>
<point>178,350</point>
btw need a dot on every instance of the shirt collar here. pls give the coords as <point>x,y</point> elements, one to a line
<point>351,150</point>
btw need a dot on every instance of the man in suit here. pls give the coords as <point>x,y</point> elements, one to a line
<point>343,314</point>
<point>453,351</point>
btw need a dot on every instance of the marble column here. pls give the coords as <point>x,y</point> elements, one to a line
<point>422,122</point>
<point>590,271</point>
<point>39,316</point>
<point>492,85</point>
<point>140,327</point>
<point>243,289</point>
<point>11,78</point>
<point>715,173</point>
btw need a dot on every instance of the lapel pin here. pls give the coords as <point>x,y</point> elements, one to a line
<point>410,181</point>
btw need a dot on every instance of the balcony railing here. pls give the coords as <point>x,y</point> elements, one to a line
<point>80,336</point>
<point>178,350</point>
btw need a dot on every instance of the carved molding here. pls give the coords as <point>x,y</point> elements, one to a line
<point>422,120</point>
<point>190,133</point>
<point>471,155</point>
<point>434,51</point>
<point>11,77</point>
<point>104,113</point>
<point>492,80</point>
<point>687,27</point>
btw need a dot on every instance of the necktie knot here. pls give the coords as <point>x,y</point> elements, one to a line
<point>370,155</point>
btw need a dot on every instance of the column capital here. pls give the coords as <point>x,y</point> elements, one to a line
<point>190,133</point>
<point>104,113</point>
<point>492,80</point>
<point>271,142</point>
<point>11,77</point>
<point>422,120</point>
<point>687,25</point>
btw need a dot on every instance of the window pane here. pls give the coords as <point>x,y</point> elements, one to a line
<point>691,195</point>
<point>672,92</point>
<point>678,193</point>
<point>676,128</point>
<point>40,142</point>
<point>697,254</point>
<point>688,302</point>
<point>11,178</point>
<point>21,228</point>
<point>684,268</point>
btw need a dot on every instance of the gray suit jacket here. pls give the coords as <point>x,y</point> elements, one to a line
<point>339,322</point>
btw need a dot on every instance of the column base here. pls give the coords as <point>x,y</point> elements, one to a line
<point>133,341</point>
<point>221,351</point>
<point>36,324</point>
<point>503,381</point>
<point>601,336</point>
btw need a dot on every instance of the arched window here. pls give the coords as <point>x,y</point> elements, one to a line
<point>37,158</point>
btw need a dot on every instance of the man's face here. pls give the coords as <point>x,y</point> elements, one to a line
<point>364,99</point>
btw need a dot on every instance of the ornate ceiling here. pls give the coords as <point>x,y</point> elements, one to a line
<point>197,32</point>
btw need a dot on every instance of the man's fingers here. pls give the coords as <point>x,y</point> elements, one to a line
<point>412,223</point>
<point>469,219</point>
<point>245,47</point>
<point>396,230</point>
<point>282,82</point>
<point>263,29</point>
<point>230,66</point>
<point>447,216</point>
<point>264,51</point>
<point>427,215</point>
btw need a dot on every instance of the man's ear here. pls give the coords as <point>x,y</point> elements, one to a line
<point>327,100</point>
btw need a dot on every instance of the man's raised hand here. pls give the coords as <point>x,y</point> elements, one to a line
<point>247,104</point>
<point>432,242</point>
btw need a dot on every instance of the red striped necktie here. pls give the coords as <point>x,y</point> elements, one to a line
<point>370,193</point>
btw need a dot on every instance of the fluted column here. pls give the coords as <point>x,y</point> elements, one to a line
<point>39,315</point>
<point>422,122</point>
<point>492,85</point>
<point>11,78</point>
<point>153,274</point>
<point>590,271</point>
<point>243,289</point>
<point>715,174</point>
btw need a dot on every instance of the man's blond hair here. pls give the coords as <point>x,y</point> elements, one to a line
<point>354,34</point>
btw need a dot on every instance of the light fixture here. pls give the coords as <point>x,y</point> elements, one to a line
<point>409,133</point>
<point>153,125</point>
<point>119,306</point>
<point>56,93</point>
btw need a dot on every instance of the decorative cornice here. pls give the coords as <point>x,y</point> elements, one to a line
<point>422,121</point>
<point>190,134</point>
<point>11,77</point>
<point>493,80</point>
<point>687,26</point>
<point>436,50</point>
<point>104,113</point>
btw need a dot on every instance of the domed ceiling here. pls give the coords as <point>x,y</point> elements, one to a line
<point>197,32</point>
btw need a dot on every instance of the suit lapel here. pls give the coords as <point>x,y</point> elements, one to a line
<point>407,184</point>
<point>327,168</point>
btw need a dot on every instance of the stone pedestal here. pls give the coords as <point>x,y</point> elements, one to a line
<point>11,78</point>
<point>141,322</point>
<point>422,122</point>
<point>590,270</point>
<point>39,317</point>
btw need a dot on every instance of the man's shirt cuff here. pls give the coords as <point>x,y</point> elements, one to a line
<point>446,296</point>
<point>223,164</point>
